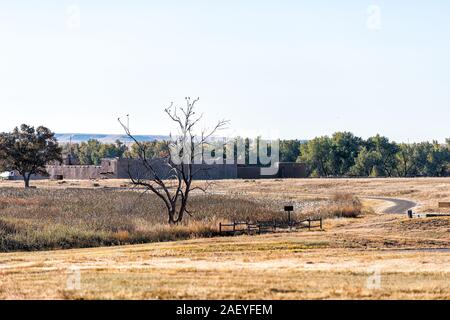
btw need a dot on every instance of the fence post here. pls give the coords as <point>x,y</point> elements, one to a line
<point>321,223</point>
<point>220,227</point>
<point>234,227</point>
<point>309,224</point>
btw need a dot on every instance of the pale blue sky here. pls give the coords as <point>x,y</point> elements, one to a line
<point>300,68</point>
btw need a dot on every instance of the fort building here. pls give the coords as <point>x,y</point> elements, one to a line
<point>122,168</point>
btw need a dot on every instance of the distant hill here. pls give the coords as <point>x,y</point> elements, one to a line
<point>110,138</point>
<point>105,138</point>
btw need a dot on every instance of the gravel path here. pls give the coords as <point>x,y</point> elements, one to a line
<point>399,206</point>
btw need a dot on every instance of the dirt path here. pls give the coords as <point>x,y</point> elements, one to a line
<point>400,206</point>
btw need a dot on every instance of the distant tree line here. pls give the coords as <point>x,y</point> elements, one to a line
<point>27,150</point>
<point>344,154</point>
<point>92,151</point>
<point>341,155</point>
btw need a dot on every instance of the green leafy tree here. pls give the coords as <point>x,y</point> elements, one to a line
<point>89,152</point>
<point>92,151</point>
<point>71,150</point>
<point>112,150</point>
<point>386,151</point>
<point>437,161</point>
<point>406,162</point>
<point>365,163</point>
<point>151,149</point>
<point>289,150</point>
<point>316,154</point>
<point>420,158</point>
<point>27,150</point>
<point>344,150</point>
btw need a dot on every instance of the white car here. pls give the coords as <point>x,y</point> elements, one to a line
<point>7,175</point>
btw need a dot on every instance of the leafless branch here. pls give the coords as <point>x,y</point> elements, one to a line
<point>173,186</point>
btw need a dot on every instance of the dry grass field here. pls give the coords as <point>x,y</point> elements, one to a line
<point>408,258</point>
<point>426,191</point>
<point>42,219</point>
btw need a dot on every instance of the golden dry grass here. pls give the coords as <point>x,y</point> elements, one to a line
<point>336,263</point>
<point>426,191</point>
<point>411,256</point>
<point>42,219</point>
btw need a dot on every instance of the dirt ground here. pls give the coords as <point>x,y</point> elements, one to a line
<point>377,256</point>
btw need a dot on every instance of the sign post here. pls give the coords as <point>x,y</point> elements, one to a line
<point>289,209</point>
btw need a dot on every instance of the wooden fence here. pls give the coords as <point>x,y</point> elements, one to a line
<point>258,227</point>
<point>411,214</point>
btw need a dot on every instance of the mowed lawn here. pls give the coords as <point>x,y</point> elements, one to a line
<point>373,256</point>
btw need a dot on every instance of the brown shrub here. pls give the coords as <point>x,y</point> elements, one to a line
<point>346,206</point>
<point>342,205</point>
<point>343,197</point>
<point>38,219</point>
<point>8,227</point>
<point>68,218</point>
<point>123,236</point>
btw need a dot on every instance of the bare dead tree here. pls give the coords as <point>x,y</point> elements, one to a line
<point>170,177</point>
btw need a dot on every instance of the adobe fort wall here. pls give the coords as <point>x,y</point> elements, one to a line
<point>123,168</point>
